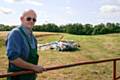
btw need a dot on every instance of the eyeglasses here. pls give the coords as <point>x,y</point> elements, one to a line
<point>29,19</point>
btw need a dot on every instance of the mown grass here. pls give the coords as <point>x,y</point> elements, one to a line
<point>92,48</point>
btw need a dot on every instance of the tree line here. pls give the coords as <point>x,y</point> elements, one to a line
<point>76,28</point>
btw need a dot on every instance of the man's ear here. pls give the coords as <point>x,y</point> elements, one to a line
<point>21,18</point>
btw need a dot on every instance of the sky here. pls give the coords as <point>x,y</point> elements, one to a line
<point>61,11</point>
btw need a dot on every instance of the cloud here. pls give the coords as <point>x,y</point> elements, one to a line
<point>5,10</point>
<point>68,10</point>
<point>68,7</point>
<point>33,2</point>
<point>12,1</point>
<point>110,9</point>
<point>68,1</point>
<point>118,1</point>
<point>111,2</point>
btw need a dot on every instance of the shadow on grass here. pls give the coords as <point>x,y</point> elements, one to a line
<point>70,50</point>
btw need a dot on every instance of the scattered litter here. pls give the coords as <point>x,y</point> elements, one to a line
<point>66,45</point>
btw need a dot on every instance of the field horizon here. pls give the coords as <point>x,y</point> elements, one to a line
<point>95,47</point>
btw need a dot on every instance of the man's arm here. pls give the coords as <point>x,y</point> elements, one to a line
<point>23,64</point>
<point>13,46</point>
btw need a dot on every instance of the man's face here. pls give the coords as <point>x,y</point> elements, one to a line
<point>28,19</point>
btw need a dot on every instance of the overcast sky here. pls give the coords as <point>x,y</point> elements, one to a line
<point>61,11</point>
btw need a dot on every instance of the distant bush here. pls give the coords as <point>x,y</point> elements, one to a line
<point>76,28</point>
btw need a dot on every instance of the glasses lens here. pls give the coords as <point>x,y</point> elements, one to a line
<point>34,20</point>
<point>28,18</point>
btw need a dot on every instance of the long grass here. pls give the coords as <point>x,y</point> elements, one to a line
<point>92,48</point>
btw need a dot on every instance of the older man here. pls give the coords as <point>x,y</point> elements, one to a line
<point>22,48</point>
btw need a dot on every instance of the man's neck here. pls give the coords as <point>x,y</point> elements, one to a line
<point>29,31</point>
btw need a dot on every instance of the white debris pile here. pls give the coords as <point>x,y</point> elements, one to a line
<point>66,45</point>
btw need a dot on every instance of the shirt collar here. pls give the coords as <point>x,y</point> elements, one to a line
<point>27,31</point>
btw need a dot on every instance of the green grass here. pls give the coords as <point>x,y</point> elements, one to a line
<point>92,48</point>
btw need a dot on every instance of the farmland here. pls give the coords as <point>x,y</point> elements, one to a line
<point>95,47</point>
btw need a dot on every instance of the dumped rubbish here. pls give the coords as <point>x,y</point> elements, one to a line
<point>66,45</point>
<point>60,45</point>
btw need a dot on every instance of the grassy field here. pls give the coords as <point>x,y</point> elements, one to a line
<point>92,48</point>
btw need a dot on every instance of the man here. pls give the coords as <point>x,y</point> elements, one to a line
<point>22,48</point>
